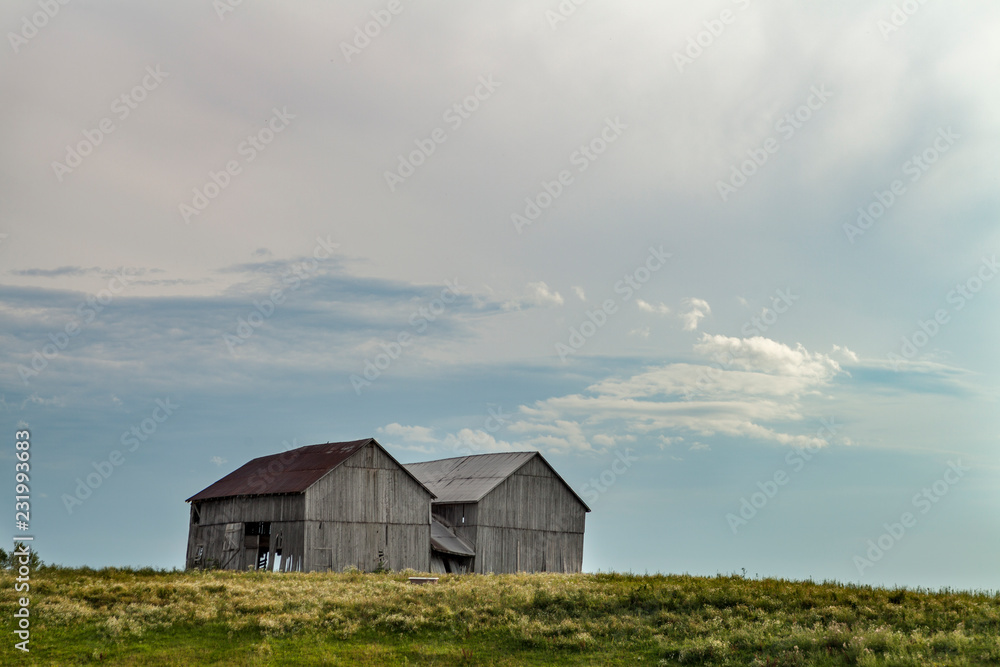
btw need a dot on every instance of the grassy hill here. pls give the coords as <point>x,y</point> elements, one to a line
<point>173,618</point>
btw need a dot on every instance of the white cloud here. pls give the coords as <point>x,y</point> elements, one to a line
<point>559,435</point>
<point>536,294</point>
<point>844,355</point>
<point>467,441</point>
<point>408,433</point>
<point>764,355</point>
<point>477,441</point>
<point>606,440</point>
<point>217,460</point>
<point>666,441</point>
<point>661,309</point>
<point>755,391</point>
<point>580,294</point>
<point>699,309</point>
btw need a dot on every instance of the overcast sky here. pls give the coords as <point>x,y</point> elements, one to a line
<point>728,266</point>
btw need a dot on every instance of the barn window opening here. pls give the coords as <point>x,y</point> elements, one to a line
<point>279,542</point>
<point>257,528</point>
<point>195,513</point>
<point>199,553</point>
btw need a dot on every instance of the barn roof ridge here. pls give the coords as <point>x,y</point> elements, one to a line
<point>468,486</point>
<point>469,456</point>
<point>308,465</point>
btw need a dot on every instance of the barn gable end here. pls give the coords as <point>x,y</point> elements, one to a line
<point>520,515</point>
<point>366,512</point>
<point>531,522</point>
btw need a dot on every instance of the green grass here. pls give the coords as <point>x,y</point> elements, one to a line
<point>148,617</point>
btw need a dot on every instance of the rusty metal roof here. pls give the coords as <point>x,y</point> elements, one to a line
<point>292,471</point>
<point>467,479</point>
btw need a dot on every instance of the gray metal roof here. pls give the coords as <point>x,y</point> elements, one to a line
<point>467,479</point>
<point>445,540</point>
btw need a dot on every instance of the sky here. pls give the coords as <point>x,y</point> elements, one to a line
<point>729,266</point>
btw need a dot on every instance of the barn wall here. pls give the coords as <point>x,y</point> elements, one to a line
<point>288,507</point>
<point>335,545</point>
<point>219,532</point>
<point>507,550</point>
<point>367,504</point>
<point>530,522</point>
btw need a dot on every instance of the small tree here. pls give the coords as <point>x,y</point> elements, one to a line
<point>10,561</point>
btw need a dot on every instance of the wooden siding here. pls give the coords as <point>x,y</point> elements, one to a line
<point>335,545</point>
<point>508,550</point>
<point>219,533</point>
<point>253,508</point>
<point>369,487</point>
<point>531,522</point>
<point>367,504</point>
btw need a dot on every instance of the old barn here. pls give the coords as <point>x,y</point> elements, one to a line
<point>513,510</point>
<point>321,507</point>
<point>338,505</point>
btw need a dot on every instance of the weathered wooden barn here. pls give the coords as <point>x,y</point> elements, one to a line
<point>337,505</point>
<point>321,507</point>
<point>512,511</point>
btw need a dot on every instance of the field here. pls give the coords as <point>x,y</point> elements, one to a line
<point>149,617</point>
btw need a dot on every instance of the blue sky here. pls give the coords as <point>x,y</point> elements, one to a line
<point>730,267</point>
